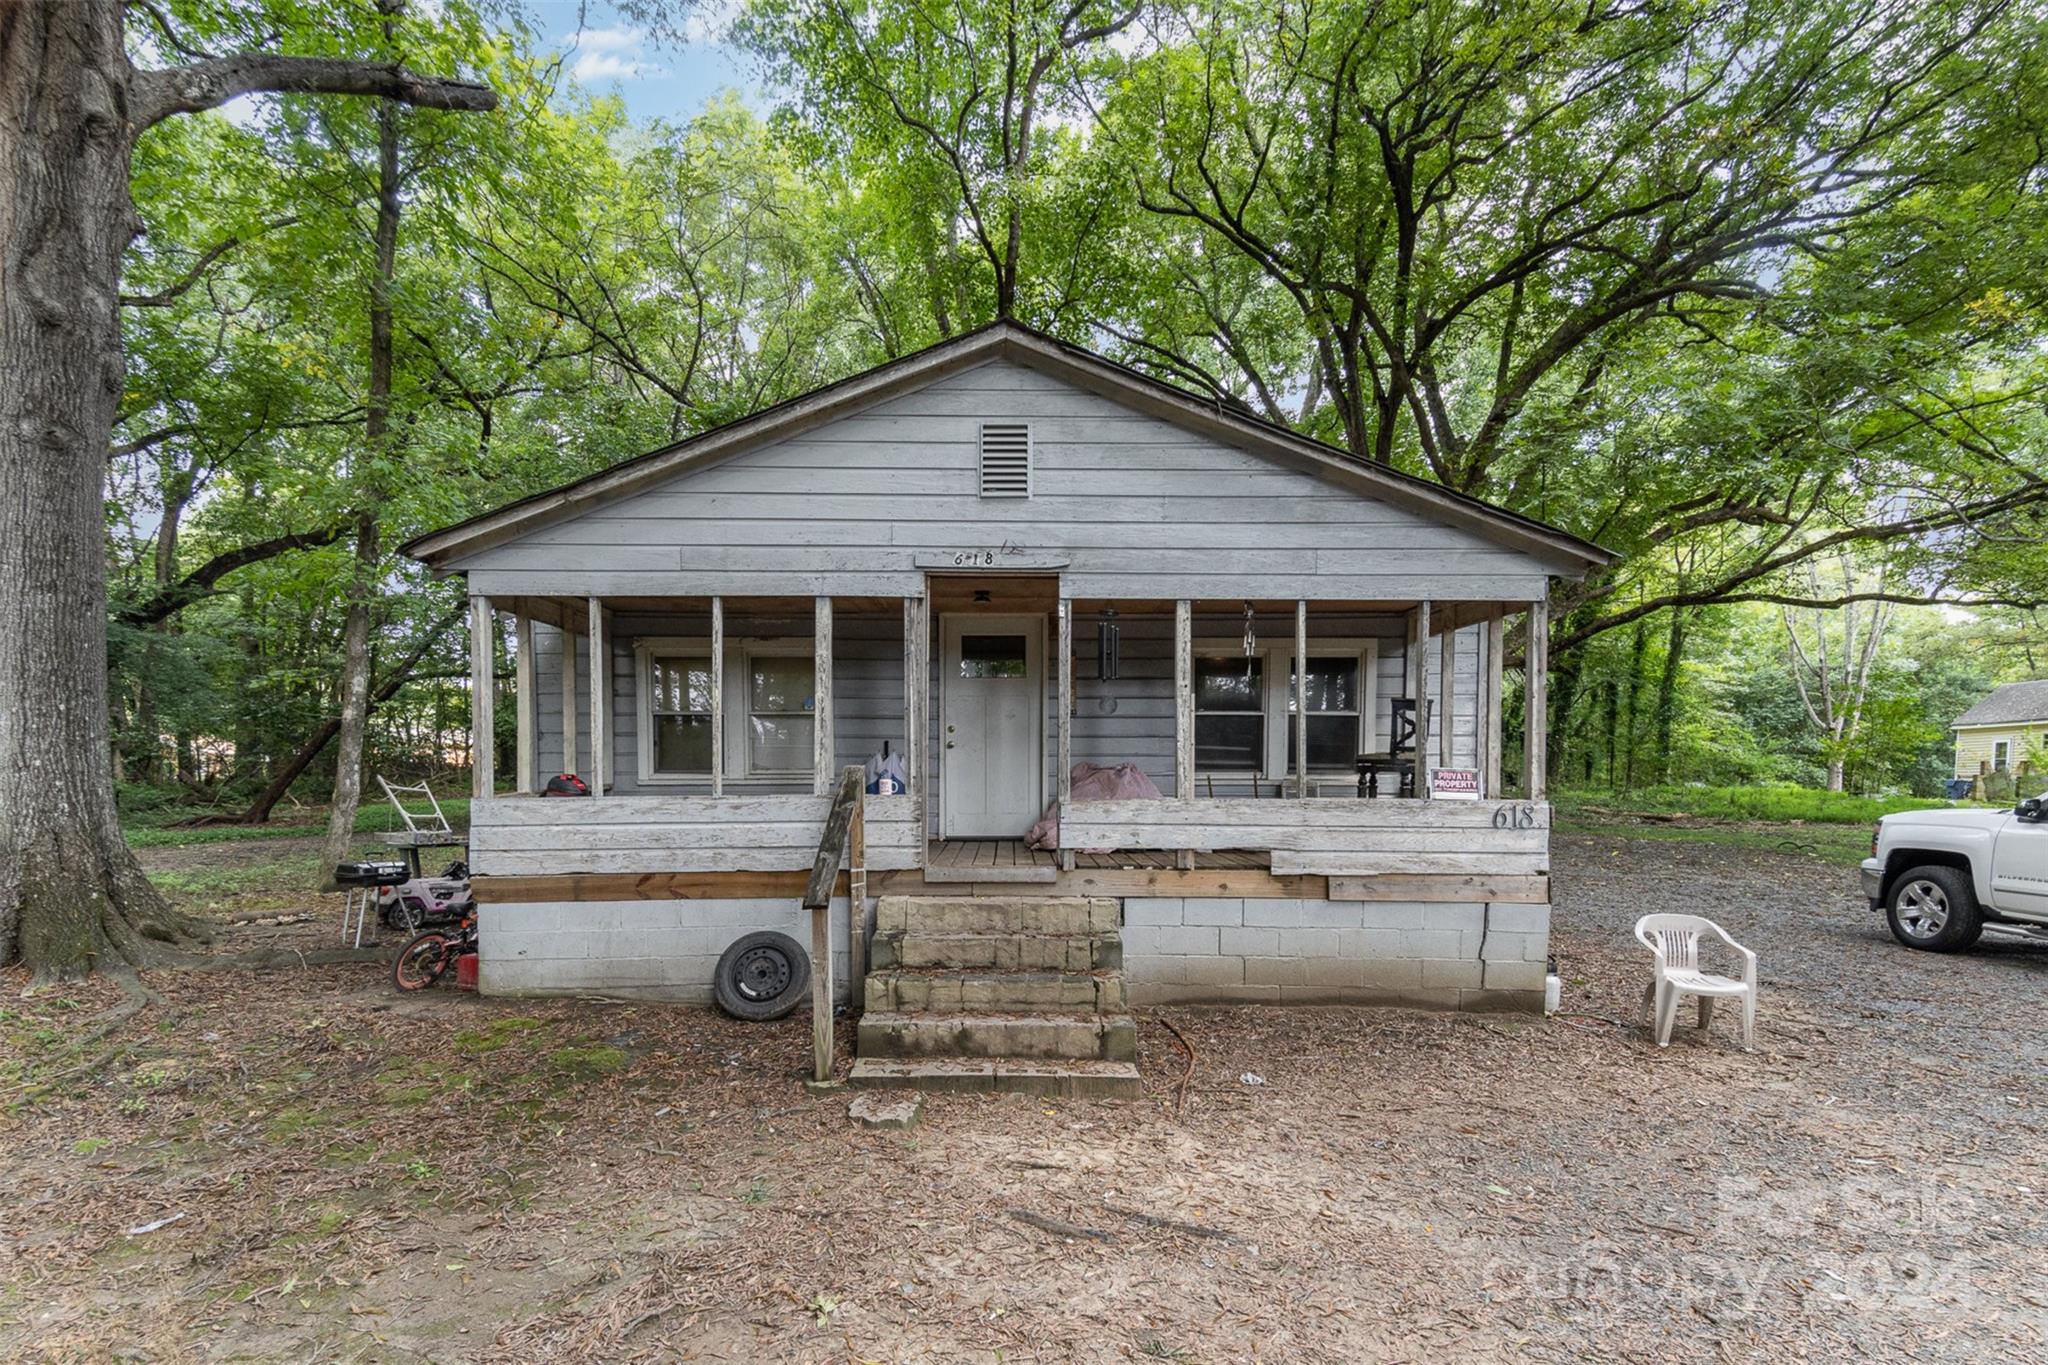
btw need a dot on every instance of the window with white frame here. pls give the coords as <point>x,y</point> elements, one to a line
<point>769,701</point>
<point>2001,755</point>
<point>1245,707</point>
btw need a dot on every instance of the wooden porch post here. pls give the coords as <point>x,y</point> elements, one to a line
<point>1184,712</point>
<point>523,683</point>
<point>565,649</point>
<point>1418,691</point>
<point>1447,697</point>
<point>482,729</point>
<point>1183,700</point>
<point>1489,728</point>
<point>916,676</point>
<point>1063,782</point>
<point>718,696</point>
<point>822,771</point>
<point>1536,723</point>
<point>599,702</point>
<point>1301,697</point>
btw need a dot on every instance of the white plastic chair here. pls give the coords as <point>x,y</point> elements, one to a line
<point>1675,939</point>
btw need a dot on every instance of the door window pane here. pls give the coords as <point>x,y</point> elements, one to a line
<point>992,656</point>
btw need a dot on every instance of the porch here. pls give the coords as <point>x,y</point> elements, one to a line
<point>1256,722</point>
<point>710,728</point>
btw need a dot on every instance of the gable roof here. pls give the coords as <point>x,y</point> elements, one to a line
<point>1568,554</point>
<point>2013,704</point>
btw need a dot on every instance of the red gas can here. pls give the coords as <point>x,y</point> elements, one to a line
<point>465,972</point>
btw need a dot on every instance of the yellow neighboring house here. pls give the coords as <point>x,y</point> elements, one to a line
<point>2003,730</point>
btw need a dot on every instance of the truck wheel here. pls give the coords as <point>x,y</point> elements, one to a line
<point>1934,908</point>
<point>762,976</point>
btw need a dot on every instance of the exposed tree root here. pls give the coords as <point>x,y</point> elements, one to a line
<point>136,997</point>
<point>261,958</point>
<point>79,903</point>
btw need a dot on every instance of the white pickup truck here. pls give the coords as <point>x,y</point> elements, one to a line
<point>1941,876</point>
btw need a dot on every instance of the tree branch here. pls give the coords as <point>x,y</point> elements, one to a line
<point>210,84</point>
<point>200,582</point>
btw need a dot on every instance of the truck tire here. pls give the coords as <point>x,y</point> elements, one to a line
<point>762,976</point>
<point>1934,908</point>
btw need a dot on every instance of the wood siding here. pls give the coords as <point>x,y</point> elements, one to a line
<point>1331,837</point>
<point>532,836</point>
<point>1974,745</point>
<point>1140,508</point>
<point>1127,719</point>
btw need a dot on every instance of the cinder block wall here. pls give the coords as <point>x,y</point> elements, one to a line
<point>649,950</point>
<point>1433,956</point>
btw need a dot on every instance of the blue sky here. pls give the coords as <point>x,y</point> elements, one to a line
<point>608,53</point>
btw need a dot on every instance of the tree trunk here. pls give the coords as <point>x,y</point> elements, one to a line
<point>72,898</point>
<point>1667,692</point>
<point>1639,649</point>
<point>355,692</point>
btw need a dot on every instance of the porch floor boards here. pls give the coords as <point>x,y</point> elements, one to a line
<point>1011,853</point>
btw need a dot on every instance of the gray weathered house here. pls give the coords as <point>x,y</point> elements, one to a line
<point>1001,557</point>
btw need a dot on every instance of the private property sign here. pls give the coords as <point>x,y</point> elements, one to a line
<point>1454,784</point>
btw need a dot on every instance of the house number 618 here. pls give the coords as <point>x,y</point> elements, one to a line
<point>977,558</point>
<point>1515,817</point>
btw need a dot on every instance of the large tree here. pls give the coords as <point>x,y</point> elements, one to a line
<point>73,102</point>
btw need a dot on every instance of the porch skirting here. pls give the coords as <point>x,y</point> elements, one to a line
<point>1423,955</point>
<point>634,950</point>
<point>1447,955</point>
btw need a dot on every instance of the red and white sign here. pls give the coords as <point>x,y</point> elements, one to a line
<point>1454,784</point>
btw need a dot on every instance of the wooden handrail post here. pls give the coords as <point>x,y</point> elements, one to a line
<point>832,845</point>
<point>857,900</point>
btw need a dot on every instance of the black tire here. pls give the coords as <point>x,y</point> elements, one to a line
<point>762,976</point>
<point>424,960</point>
<point>1934,908</point>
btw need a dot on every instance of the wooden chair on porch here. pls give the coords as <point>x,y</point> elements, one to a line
<point>1399,758</point>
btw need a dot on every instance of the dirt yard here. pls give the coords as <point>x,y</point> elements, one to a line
<point>299,1165</point>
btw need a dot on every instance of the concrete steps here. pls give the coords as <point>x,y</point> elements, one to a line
<point>1014,993</point>
<point>1067,1079</point>
<point>912,990</point>
<point>1083,1037</point>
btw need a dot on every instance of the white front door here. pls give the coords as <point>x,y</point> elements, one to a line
<point>991,725</point>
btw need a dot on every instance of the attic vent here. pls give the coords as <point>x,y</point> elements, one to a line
<point>1005,460</point>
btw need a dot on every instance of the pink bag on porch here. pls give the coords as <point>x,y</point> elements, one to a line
<point>1092,782</point>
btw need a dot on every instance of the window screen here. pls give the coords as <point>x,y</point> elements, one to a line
<point>1230,717</point>
<point>779,714</point>
<point>1333,712</point>
<point>681,713</point>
